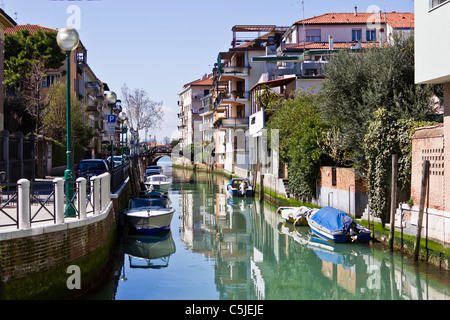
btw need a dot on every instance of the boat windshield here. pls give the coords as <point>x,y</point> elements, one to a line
<point>159,178</point>
<point>137,203</point>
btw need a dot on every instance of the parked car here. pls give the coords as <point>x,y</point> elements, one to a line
<point>91,167</point>
<point>117,160</point>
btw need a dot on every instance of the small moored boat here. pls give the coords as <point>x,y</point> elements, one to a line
<point>149,215</point>
<point>295,215</point>
<point>335,225</point>
<point>240,187</point>
<point>157,182</point>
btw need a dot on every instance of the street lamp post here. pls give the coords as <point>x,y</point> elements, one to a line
<point>123,117</point>
<point>68,39</point>
<point>111,98</point>
<point>127,124</point>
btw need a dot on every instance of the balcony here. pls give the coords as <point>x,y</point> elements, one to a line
<point>232,123</point>
<point>234,95</point>
<point>207,105</point>
<point>234,70</point>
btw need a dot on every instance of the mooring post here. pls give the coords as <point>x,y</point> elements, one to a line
<point>423,191</point>
<point>393,200</point>
<point>23,196</point>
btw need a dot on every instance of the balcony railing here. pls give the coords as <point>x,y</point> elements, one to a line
<point>233,122</point>
<point>234,70</point>
<point>234,95</point>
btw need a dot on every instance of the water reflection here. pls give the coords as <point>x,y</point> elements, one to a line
<point>145,251</point>
<point>259,257</point>
<point>241,249</point>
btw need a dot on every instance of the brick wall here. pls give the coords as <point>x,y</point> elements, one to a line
<point>428,144</point>
<point>34,261</point>
<point>344,178</point>
<point>341,189</point>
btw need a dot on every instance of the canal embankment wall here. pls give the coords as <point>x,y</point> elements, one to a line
<point>65,258</point>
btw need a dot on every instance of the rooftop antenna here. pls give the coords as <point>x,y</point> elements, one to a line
<point>17,20</point>
<point>304,30</point>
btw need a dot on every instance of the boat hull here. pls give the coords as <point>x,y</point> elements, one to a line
<point>151,221</point>
<point>294,215</point>
<point>236,193</point>
<point>338,234</point>
<point>157,186</point>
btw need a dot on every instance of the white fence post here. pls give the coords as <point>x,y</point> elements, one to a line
<point>96,194</point>
<point>59,200</point>
<point>23,203</point>
<point>82,197</point>
<point>105,180</point>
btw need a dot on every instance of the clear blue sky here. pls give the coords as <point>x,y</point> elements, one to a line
<point>159,45</point>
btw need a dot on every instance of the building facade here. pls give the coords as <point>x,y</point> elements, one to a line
<point>433,143</point>
<point>84,84</point>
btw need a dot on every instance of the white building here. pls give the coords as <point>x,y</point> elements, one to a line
<point>432,65</point>
<point>190,103</point>
<point>299,63</point>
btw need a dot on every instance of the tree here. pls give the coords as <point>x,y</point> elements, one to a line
<point>301,135</point>
<point>28,57</point>
<point>54,121</point>
<point>142,112</point>
<point>358,84</point>
<point>17,118</point>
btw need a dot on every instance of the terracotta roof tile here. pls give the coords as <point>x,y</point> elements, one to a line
<point>395,19</point>
<point>30,27</point>
<point>336,45</point>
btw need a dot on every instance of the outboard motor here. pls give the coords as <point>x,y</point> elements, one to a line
<point>350,227</point>
<point>242,187</point>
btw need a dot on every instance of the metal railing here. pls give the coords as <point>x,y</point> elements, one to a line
<point>119,174</point>
<point>27,204</point>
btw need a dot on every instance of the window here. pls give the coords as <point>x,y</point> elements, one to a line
<point>333,177</point>
<point>436,3</point>
<point>356,34</point>
<point>371,35</point>
<point>48,81</point>
<point>313,35</point>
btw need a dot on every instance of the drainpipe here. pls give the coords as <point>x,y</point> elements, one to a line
<point>349,211</point>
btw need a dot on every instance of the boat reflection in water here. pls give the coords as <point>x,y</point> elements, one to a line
<point>149,251</point>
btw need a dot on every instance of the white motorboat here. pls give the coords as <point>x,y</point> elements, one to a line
<point>157,182</point>
<point>295,215</point>
<point>149,215</point>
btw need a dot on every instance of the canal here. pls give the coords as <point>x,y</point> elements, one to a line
<point>222,249</point>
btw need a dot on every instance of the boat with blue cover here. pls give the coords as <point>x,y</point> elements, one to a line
<point>333,224</point>
<point>240,187</point>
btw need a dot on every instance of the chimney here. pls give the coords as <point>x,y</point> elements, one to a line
<point>382,39</point>
<point>356,10</point>
<point>330,42</point>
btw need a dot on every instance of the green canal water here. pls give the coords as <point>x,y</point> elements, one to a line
<point>219,249</point>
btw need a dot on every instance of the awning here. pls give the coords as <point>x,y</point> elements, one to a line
<point>274,83</point>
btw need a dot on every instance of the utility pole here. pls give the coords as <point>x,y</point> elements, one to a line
<point>393,200</point>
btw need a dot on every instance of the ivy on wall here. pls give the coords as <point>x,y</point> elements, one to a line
<point>386,136</point>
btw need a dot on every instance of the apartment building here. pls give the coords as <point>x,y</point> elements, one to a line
<point>299,62</point>
<point>84,83</point>
<point>191,101</point>
<point>234,75</point>
<point>433,143</point>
